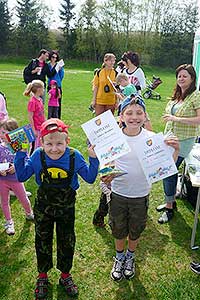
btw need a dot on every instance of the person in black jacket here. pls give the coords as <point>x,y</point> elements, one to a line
<point>38,69</point>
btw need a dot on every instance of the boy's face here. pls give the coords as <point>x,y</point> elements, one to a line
<point>133,116</point>
<point>123,82</point>
<point>54,144</point>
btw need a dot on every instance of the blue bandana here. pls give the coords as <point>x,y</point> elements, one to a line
<point>134,98</point>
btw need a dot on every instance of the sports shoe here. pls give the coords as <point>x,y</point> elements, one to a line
<point>98,220</point>
<point>41,289</point>
<point>117,270</point>
<point>129,268</point>
<point>166,216</point>
<point>195,267</point>
<point>69,285</point>
<point>30,217</point>
<point>162,207</point>
<point>9,227</point>
<point>28,194</point>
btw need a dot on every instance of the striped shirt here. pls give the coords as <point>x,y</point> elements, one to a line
<point>187,110</point>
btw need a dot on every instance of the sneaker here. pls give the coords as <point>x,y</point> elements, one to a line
<point>41,289</point>
<point>98,221</point>
<point>69,285</point>
<point>195,267</point>
<point>30,217</point>
<point>117,270</point>
<point>166,216</point>
<point>129,268</point>
<point>28,194</point>
<point>9,228</point>
<point>162,207</point>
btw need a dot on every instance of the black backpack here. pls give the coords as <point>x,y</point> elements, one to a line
<point>27,75</point>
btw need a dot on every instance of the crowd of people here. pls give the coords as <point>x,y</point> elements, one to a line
<point>56,166</point>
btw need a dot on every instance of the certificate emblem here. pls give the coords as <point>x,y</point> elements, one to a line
<point>98,122</point>
<point>149,142</point>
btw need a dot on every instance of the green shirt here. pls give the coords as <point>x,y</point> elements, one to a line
<point>129,90</point>
<point>187,110</point>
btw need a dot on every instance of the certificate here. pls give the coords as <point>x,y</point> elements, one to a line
<point>104,132</point>
<point>156,158</point>
<point>4,166</point>
<point>59,65</point>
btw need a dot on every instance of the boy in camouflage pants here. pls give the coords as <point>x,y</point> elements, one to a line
<point>56,168</point>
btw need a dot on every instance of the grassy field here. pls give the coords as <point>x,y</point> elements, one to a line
<point>163,254</point>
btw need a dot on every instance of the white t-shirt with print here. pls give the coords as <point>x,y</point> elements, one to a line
<point>136,77</point>
<point>133,184</point>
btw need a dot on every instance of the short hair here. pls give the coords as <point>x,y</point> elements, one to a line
<point>120,77</point>
<point>42,51</point>
<point>9,124</point>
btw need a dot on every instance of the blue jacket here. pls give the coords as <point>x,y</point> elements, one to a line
<point>58,76</point>
<point>26,167</point>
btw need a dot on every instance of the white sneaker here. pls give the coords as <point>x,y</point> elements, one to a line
<point>30,217</point>
<point>28,194</point>
<point>129,268</point>
<point>9,228</point>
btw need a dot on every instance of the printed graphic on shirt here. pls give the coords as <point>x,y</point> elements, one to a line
<point>55,173</point>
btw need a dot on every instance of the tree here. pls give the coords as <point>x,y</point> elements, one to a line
<point>177,35</point>
<point>87,39</point>
<point>32,31</point>
<point>5,26</point>
<point>66,16</point>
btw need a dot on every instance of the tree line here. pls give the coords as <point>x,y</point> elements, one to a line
<point>161,31</point>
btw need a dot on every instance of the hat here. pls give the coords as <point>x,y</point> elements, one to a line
<point>134,98</point>
<point>53,125</point>
<point>53,82</point>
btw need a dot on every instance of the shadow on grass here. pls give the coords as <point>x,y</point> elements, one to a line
<point>131,289</point>
<point>11,265</point>
<point>181,231</point>
<point>61,294</point>
<point>108,240</point>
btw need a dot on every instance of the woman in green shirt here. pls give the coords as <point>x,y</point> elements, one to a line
<point>182,120</point>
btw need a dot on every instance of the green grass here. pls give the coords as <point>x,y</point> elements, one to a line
<point>163,254</point>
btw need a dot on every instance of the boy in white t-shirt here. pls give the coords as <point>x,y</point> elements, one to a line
<point>130,192</point>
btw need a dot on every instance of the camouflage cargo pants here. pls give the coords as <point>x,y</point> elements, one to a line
<point>54,206</point>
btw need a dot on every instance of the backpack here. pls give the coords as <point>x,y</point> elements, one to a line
<point>97,71</point>
<point>27,76</point>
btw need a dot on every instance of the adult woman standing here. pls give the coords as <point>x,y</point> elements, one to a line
<point>133,70</point>
<point>182,120</point>
<point>58,77</point>
<point>103,92</point>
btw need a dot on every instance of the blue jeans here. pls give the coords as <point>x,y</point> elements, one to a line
<point>170,183</point>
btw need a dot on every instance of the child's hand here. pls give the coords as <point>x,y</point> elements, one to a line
<point>173,142</point>
<point>107,179</point>
<point>11,169</point>
<point>91,152</point>
<point>3,173</point>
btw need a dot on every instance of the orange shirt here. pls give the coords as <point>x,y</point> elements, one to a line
<point>100,80</point>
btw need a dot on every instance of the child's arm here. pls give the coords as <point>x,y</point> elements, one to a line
<point>23,166</point>
<point>88,173</point>
<point>30,117</point>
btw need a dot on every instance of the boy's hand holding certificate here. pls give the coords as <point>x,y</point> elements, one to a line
<point>104,132</point>
<point>156,158</point>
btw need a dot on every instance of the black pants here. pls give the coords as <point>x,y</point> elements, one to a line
<point>54,206</point>
<point>102,210</point>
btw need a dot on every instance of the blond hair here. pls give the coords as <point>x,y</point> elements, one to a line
<point>9,124</point>
<point>120,77</point>
<point>33,86</point>
<point>107,56</point>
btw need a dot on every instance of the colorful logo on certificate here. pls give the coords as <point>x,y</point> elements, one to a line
<point>149,142</point>
<point>98,122</point>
